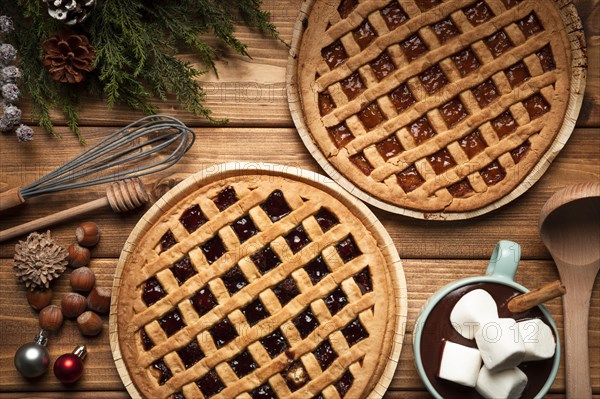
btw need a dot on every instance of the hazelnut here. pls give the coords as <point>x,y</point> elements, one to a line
<point>39,299</point>
<point>51,318</point>
<point>83,279</point>
<point>89,323</point>
<point>77,255</point>
<point>99,300</point>
<point>87,234</point>
<point>73,305</point>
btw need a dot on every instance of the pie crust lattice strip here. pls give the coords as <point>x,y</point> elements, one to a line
<point>255,285</point>
<point>434,108</point>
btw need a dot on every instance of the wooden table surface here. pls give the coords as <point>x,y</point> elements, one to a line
<point>251,93</point>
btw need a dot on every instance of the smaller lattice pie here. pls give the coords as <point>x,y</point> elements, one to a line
<point>256,286</point>
<point>430,105</point>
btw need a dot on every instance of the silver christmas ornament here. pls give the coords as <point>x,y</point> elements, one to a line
<point>33,359</point>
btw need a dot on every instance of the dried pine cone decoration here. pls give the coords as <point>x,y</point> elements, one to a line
<point>68,57</point>
<point>39,260</point>
<point>71,12</point>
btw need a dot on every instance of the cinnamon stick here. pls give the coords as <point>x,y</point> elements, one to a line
<point>524,302</point>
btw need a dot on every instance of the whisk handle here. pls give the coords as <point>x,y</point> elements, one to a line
<point>11,198</point>
<point>52,219</point>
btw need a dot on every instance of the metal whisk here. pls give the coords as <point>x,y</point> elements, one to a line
<point>149,145</point>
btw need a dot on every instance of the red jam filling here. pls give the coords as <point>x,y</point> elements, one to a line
<point>243,364</point>
<point>317,269</point>
<point>347,249</point>
<point>413,47</point>
<point>340,135</point>
<point>364,35</point>
<point>152,291</point>
<point>163,369</point>
<point>485,93</point>
<point>453,112</point>
<point>393,15</point>
<point>265,259</point>
<point>433,79</point>
<point>263,392</point>
<point>441,161</point>
<point>460,189</point>
<point>409,179</point>
<point>510,3</point>
<point>326,219</point>
<point>326,104</point>
<point>478,13</point>
<point>275,343</point>
<point>244,228</point>
<point>361,163</point>
<point>353,85</point>
<point>517,74</point>
<point>536,106</point>
<point>344,384</point>
<point>546,58</point>
<point>472,144</point>
<point>425,5</point>
<point>519,153</point>
<point>297,239</point>
<point>167,241</point>
<point>389,147</point>
<point>498,43</point>
<point>286,290</point>
<point>445,30</point>
<point>402,98</point>
<point>213,249</point>
<point>530,25</point>
<point>371,116</point>
<point>492,173</point>
<point>421,130</point>
<point>255,311</point>
<point>504,124</point>
<point>334,54</point>
<point>146,340</point>
<point>203,301</point>
<point>363,280</point>
<point>466,62</point>
<point>346,7</point>
<point>382,66</point>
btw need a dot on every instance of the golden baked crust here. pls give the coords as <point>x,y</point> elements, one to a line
<point>260,269</point>
<point>434,106</point>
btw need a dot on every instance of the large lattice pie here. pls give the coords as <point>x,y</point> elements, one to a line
<point>256,287</point>
<point>434,105</point>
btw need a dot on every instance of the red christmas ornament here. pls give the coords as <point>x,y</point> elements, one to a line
<point>68,368</point>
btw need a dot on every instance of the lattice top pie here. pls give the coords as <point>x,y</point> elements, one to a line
<point>259,287</point>
<point>434,105</point>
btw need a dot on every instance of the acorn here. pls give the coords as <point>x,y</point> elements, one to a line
<point>99,300</point>
<point>82,279</point>
<point>87,234</point>
<point>39,299</point>
<point>77,256</point>
<point>73,305</point>
<point>51,318</point>
<point>89,323</point>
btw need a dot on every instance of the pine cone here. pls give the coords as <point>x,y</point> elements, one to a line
<point>71,12</point>
<point>39,260</point>
<point>68,57</point>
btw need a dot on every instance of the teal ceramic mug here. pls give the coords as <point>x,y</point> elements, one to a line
<point>433,325</point>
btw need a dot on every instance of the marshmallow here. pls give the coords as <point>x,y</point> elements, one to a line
<point>472,311</point>
<point>508,383</point>
<point>538,339</point>
<point>460,364</point>
<point>500,344</point>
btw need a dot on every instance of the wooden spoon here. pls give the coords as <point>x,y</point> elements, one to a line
<point>570,229</point>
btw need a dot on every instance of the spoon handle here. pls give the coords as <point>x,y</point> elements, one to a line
<point>576,304</point>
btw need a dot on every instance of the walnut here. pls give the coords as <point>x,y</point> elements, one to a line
<point>38,260</point>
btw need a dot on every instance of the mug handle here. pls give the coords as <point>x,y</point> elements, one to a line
<point>504,260</point>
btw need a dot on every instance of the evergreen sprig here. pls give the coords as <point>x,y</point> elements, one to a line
<point>136,42</point>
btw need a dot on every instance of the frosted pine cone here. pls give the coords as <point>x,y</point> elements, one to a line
<point>39,260</point>
<point>71,12</point>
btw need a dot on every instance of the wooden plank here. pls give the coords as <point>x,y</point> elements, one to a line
<point>252,92</point>
<point>18,323</point>
<point>578,162</point>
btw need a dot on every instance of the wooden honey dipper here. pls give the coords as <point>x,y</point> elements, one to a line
<point>121,196</point>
